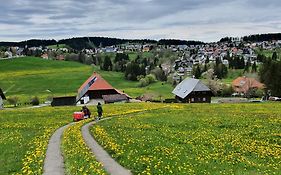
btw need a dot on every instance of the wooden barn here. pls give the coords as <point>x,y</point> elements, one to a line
<point>96,88</point>
<point>2,97</point>
<point>192,90</point>
<point>64,101</point>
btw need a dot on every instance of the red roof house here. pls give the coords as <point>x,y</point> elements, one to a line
<point>244,84</point>
<point>95,87</point>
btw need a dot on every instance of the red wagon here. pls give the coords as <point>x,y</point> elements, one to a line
<point>78,116</point>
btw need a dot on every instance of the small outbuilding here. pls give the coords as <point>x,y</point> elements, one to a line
<point>192,90</point>
<point>2,97</point>
<point>64,101</point>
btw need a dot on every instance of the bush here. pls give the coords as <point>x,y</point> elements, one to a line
<point>34,101</point>
<point>13,100</point>
<point>143,82</point>
<point>227,91</point>
<point>149,79</point>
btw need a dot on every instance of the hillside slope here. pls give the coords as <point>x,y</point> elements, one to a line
<point>30,76</point>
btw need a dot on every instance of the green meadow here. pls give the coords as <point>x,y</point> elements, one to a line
<point>240,139</point>
<point>29,76</point>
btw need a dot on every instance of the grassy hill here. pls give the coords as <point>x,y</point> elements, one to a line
<point>29,76</point>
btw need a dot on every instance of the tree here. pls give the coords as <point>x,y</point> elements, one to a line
<point>197,72</point>
<point>81,57</point>
<point>207,60</point>
<point>274,56</point>
<point>107,65</point>
<point>247,66</point>
<point>132,71</point>
<point>270,75</point>
<point>254,67</point>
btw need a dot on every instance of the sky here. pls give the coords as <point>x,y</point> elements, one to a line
<point>204,20</point>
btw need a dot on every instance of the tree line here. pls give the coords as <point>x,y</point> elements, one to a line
<point>256,37</point>
<point>81,43</point>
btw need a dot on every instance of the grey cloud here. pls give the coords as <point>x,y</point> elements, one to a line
<point>59,18</point>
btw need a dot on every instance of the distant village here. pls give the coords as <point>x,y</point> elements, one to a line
<point>187,58</point>
<point>188,55</point>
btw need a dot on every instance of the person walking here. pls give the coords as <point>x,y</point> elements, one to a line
<point>99,109</point>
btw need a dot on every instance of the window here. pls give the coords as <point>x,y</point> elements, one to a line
<point>204,99</point>
<point>192,99</point>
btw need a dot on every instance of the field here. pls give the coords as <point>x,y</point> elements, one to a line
<point>197,139</point>
<point>24,137</point>
<point>25,134</point>
<point>150,138</point>
<point>28,77</point>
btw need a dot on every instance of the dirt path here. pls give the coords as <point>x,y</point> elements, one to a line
<point>109,164</point>
<point>53,164</point>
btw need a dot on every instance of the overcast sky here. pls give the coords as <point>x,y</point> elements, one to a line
<point>205,20</point>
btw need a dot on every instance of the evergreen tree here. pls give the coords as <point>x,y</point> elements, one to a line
<point>254,67</point>
<point>274,56</point>
<point>247,66</point>
<point>207,60</point>
<point>197,72</point>
<point>107,65</point>
<point>270,75</point>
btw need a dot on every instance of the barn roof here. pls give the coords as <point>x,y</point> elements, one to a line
<point>2,94</point>
<point>98,84</point>
<point>114,98</point>
<point>189,85</point>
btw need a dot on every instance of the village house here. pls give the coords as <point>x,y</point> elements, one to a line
<point>2,97</point>
<point>45,56</point>
<point>242,85</point>
<point>192,90</point>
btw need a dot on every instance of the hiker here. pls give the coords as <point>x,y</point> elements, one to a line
<point>86,111</point>
<point>99,108</point>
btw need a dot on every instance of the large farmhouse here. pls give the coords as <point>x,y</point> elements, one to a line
<point>242,85</point>
<point>2,97</point>
<point>97,88</point>
<point>192,90</point>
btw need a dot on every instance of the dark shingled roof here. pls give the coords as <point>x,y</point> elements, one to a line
<point>2,94</point>
<point>114,98</point>
<point>189,85</point>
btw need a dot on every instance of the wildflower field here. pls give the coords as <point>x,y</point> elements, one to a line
<point>150,138</point>
<point>24,137</point>
<point>197,139</point>
<point>78,157</point>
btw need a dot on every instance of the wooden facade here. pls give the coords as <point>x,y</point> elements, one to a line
<point>64,101</point>
<point>192,90</point>
<point>196,97</point>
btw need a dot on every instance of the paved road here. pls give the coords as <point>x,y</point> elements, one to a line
<point>53,164</point>
<point>109,164</point>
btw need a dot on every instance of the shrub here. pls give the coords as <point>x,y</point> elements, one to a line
<point>34,101</point>
<point>143,82</point>
<point>227,91</point>
<point>13,100</point>
<point>149,79</point>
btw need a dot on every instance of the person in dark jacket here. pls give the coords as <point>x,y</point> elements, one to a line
<point>99,109</point>
<point>86,111</point>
